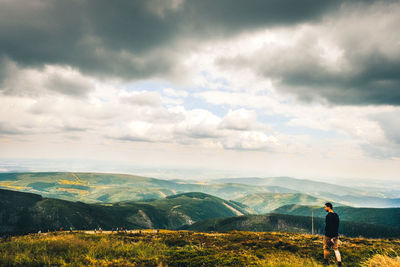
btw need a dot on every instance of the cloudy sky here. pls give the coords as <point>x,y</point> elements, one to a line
<point>308,88</point>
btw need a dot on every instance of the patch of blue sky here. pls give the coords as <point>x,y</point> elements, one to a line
<point>280,124</point>
<point>192,102</point>
<point>304,130</point>
<point>147,85</point>
<point>156,86</point>
<point>272,119</point>
<point>222,82</point>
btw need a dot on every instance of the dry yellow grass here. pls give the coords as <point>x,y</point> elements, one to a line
<point>77,181</point>
<point>71,182</point>
<point>382,261</point>
<point>9,184</point>
<point>185,248</point>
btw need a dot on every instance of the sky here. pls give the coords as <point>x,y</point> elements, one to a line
<point>308,89</point>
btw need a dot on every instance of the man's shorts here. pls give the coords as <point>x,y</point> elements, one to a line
<point>329,245</point>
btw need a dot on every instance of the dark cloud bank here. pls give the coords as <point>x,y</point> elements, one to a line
<point>142,39</point>
<point>129,38</point>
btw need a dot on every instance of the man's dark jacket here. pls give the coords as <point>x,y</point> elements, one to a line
<point>331,224</point>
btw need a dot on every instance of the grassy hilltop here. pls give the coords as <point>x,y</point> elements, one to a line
<point>183,248</point>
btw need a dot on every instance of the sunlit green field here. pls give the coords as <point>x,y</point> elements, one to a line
<point>182,248</point>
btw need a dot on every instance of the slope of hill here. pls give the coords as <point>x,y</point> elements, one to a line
<point>381,216</point>
<point>88,187</point>
<point>351,196</point>
<point>302,185</point>
<point>290,223</point>
<point>187,208</point>
<point>266,202</point>
<point>26,212</point>
<point>365,201</point>
<point>109,188</point>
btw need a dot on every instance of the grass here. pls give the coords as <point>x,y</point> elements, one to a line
<point>184,248</point>
<point>382,260</point>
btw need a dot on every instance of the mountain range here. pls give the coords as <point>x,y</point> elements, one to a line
<point>111,188</point>
<point>291,223</point>
<point>266,202</point>
<point>48,201</point>
<point>379,216</point>
<point>26,212</point>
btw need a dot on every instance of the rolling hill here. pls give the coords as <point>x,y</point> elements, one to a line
<point>350,196</point>
<point>111,188</point>
<point>88,187</point>
<point>266,202</point>
<point>380,216</point>
<point>365,201</point>
<point>290,223</point>
<point>26,212</point>
<point>299,185</point>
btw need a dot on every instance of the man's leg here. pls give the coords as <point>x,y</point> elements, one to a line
<point>338,257</point>
<point>326,255</point>
<point>336,250</point>
<point>326,250</point>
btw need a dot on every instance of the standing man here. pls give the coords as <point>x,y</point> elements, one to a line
<point>331,234</point>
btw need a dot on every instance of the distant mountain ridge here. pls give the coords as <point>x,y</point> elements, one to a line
<point>27,212</point>
<point>111,188</point>
<point>379,216</point>
<point>290,223</point>
<point>267,202</point>
<point>294,184</point>
<point>344,195</point>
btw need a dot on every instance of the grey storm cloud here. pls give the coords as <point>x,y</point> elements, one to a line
<point>372,79</point>
<point>389,122</point>
<point>144,99</point>
<point>390,146</point>
<point>133,139</point>
<point>40,81</point>
<point>368,71</point>
<point>132,39</point>
<point>68,86</point>
<point>7,129</point>
<point>142,39</point>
